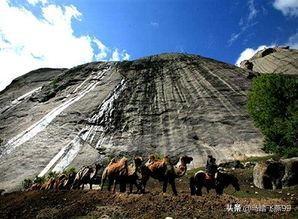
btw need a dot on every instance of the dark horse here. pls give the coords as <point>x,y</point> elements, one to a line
<point>201,179</point>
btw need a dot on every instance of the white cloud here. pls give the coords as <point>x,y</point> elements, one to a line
<point>34,2</point>
<point>248,53</point>
<point>243,29</point>
<point>245,23</point>
<point>154,24</point>
<point>252,10</point>
<point>28,42</point>
<point>287,7</point>
<point>293,41</point>
<point>117,56</point>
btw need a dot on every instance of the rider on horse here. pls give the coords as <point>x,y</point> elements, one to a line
<point>211,167</point>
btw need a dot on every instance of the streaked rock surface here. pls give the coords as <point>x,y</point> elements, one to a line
<point>167,104</point>
<point>280,60</point>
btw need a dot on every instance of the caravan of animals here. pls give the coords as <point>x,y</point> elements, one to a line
<point>138,173</point>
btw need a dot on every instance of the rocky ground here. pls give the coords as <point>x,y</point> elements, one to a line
<point>97,204</point>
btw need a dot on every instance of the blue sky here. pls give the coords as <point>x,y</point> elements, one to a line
<point>200,27</point>
<point>129,29</point>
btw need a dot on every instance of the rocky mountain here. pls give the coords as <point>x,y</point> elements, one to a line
<point>281,60</point>
<point>165,104</point>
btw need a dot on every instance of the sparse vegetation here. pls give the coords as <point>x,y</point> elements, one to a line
<point>52,175</point>
<point>26,184</point>
<point>273,104</point>
<point>39,180</point>
<point>70,170</point>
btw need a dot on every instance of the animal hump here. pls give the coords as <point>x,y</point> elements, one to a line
<point>83,172</point>
<point>200,172</point>
<point>93,173</point>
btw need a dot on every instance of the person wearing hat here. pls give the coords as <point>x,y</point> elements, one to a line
<point>211,166</point>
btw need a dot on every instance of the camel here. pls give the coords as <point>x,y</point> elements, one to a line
<point>34,187</point>
<point>48,184</point>
<point>134,174</point>
<point>69,181</point>
<point>165,171</point>
<point>115,172</point>
<point>59,182</point>
<point>85,176</point>
<point>119,172</point>
<point>222,180</point>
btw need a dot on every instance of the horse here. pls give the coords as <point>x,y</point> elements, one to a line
<point>222,180</point>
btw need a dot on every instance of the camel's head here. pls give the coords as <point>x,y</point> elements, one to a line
<point>152,157</point>
<point>186,159</point>
<point>138,161</point>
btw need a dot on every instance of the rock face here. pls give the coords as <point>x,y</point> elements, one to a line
<point>268,175</point>
<point>282,60</point>
<point>291,172</point>
<point>167,104</point>
<point>276,174</point>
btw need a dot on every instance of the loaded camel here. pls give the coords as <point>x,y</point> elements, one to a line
<point>134,175</point>
<point>164,171</point>
<point>119,172</point>
<point>115,172</point>
<point>64,181</point>
<point>54,182</point>
<point>85,175</point>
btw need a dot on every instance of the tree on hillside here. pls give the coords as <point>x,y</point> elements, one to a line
<point>273,105</point>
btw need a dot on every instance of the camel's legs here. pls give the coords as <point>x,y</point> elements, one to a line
<point>114,186</point>
<point>144,182</point>
<point>172,182</point>
<point>110,183</point>
<point>103,179</point>
<point>122,186</point>
<point>90,185</point>
<point>165,185</point>
<point>199,191</point>
<point>130,187</point>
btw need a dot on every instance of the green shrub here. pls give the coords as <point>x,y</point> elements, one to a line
<point>27,183</point>
<point>52,175</point>
<point>70,170</point>
<point>273,105</point>
<point>39,180</point>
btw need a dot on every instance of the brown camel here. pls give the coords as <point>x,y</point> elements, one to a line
<point>85,176</point>
<point>134,174</point>
<point>165,171</point>
<point>59,182</point>
<point>115,172</point>
<point>48,184</point>
<point>69,181</point>
<point>34,187</point>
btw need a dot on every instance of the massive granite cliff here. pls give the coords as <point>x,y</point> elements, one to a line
<point>166,104</point>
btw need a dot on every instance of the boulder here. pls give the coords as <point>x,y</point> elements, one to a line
<point>268,174</point>
<point>275,174</point>
<point>290,177</point>
<point>246,64</point>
